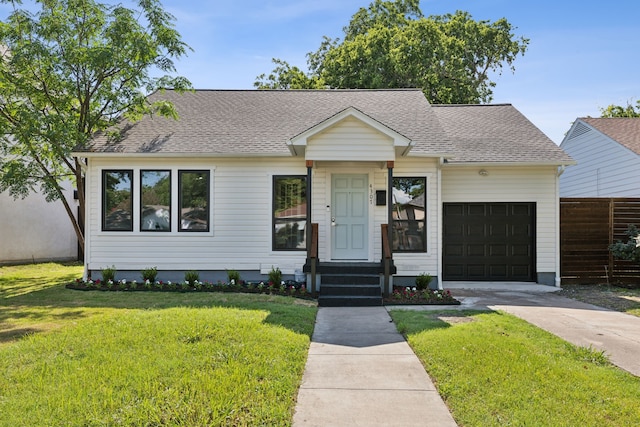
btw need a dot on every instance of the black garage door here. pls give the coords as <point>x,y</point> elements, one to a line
<point>489,241</point>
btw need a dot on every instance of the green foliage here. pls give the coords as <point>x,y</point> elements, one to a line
<point>423,281</point>
<point>391,44</point>
<point>494,369</point>
<point>629,250</point>
<point>108,273</point>
<point>275,276</point>
<point>194,359</point>
<point>191,277</point>
<point>619,111</point>
<point>69,69</point>
<point>149,274</point>
<point>233,275</point>
<point>285,76</point>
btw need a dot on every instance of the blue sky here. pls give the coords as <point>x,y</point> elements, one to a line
<point>582,56</point>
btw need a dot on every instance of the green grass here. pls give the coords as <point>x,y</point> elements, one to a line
<point>77,358</point>
<point>494,369</point>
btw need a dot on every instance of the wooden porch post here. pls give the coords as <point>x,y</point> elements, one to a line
<point>310,257</point>
<point>387,259</point>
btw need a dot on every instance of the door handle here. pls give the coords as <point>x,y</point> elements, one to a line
<point>333,221</point>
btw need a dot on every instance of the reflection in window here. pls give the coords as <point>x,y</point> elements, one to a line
<point>155,200</point>
<point>194,200</point>
<point>289,212</point>
<point>409,214</point>
<point>117,203</point>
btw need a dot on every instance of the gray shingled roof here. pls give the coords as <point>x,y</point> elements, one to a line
<point>496,133</point>
<point>251,122</point>
<point>624,130</point>
<point>261,122</point>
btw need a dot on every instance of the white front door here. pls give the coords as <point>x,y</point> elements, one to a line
<point>349,217</point>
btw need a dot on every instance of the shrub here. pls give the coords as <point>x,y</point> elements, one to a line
<point>275,276</point>
<point>191,277</point>
<point>630,250</point>
<point>149,274</point>
<point>108,273</point>
<point>423,280</point>
<point>233,277</point>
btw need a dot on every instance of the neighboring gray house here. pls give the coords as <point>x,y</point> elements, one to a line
<point>33,230</point>
<point>241,177</point>
<point>608,154</point>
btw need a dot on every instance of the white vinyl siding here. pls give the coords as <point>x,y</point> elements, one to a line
<point>240,223</point>
<point>350,140</point>
<point>522,184</point>
<point>605,168</point>
<point>413,264</point>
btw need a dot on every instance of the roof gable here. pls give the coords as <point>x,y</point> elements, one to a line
<point>350,114</point>
<point>623,130</point>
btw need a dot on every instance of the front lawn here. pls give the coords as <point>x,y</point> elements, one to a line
<point>141,358</point>
<point>493,369</point>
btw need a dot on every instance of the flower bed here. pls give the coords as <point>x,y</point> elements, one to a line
<point>286,288</point>
<point>402,295</point>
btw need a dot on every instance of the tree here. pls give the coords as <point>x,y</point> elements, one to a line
<point>619,111</point>
<point>68,70</point>
<point>391,44</point>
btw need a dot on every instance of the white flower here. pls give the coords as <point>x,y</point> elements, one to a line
<point>233,281</point>
<point>413,289</point>
<point>282,283</point>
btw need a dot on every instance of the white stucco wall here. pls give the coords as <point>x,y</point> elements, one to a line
<point>33,230</point>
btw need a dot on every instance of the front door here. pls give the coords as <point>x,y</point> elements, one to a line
<point>349,217</point>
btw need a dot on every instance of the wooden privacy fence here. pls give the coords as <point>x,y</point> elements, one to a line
<point>587,227</point>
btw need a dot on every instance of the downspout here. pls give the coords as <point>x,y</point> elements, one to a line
<point>558,278</point>
<point>440,221</point>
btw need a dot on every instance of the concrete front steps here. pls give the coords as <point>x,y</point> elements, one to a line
<point>350,290</point>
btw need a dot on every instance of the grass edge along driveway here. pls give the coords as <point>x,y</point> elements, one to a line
<point>493,369</point>
<point>99,358</point>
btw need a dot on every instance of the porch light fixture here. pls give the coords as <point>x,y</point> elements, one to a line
<point>483,172</point>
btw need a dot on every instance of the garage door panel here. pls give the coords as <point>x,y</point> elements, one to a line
<point>477,210</point>
<point>476,271</point>
<point>476,250</point>
<point>498,271</point>
<point>489,241</point>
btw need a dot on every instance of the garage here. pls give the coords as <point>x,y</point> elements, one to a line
<point>489,241</point>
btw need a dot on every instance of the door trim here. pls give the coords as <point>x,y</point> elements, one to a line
<point>351,169</point>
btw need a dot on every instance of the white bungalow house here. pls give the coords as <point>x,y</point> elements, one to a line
<point>321,181</point>
<point>608,154</point>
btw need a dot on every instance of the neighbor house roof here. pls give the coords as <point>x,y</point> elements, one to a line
<point>624,130</point>
<point>498,133</point>
<point>253,122</point>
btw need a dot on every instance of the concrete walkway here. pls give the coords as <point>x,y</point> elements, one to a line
<point>361,372</point>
